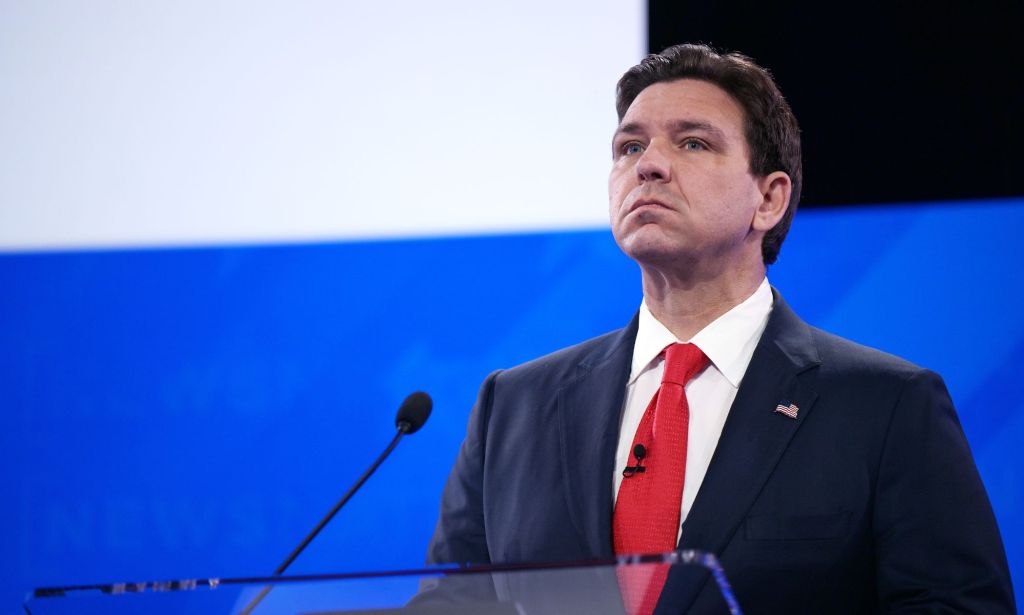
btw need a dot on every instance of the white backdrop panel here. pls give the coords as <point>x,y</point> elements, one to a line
<point>196,122</point>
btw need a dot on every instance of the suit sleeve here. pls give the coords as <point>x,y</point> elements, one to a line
<point>460,536</point>
<point>938,547</point>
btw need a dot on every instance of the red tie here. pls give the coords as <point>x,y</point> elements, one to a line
<point>646,518</point>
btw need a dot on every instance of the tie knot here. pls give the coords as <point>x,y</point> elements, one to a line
<point>682,362</point>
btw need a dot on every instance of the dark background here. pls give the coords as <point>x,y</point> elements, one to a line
<point>897,101</point>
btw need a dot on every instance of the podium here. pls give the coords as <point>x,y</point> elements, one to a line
<point>563,588</point>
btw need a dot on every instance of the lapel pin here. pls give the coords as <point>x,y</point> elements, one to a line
<point>788,409</point>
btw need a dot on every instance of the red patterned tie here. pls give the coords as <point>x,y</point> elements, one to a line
<point>646,518</point>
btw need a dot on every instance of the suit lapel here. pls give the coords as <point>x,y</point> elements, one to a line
<point>752,441</point>
<point>754,436</point>
<point>589,410</point>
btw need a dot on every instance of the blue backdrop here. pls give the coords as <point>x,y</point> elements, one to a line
<point>194,412</point>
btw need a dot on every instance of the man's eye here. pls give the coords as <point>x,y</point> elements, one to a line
<point>694,145</point>
<point>632,148</point>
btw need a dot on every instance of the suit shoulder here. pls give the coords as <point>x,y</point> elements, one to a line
<point>842,357</point>
<point>563,363</point>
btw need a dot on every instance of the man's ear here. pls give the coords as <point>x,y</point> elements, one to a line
<point>775,190</point>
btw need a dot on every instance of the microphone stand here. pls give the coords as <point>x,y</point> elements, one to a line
<point>404,427</point>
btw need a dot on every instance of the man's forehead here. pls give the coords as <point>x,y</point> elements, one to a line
<point>686,103</point>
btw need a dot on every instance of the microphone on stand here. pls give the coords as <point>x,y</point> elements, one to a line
<point>412,414</point>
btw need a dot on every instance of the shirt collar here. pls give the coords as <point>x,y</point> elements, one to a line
<point>728,341</point>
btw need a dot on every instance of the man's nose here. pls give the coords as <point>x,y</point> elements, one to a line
<point>653,165</point>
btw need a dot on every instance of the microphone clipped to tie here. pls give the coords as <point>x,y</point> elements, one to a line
<point>639,452</point>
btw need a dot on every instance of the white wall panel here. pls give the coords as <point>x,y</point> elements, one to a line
<point>146,123</point>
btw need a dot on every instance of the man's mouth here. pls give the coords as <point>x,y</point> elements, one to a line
<point>646,202</point>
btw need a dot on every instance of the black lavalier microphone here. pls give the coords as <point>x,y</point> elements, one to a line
<point>639,452</point>
<point>412,414</point>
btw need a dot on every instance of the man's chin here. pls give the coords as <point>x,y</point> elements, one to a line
<point>650,251</point>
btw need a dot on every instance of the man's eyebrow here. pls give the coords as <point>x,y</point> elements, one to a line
<point>634,128</point>
<point>629,128</point>
<point>698,126</point>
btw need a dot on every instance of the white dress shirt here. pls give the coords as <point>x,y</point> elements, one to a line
<point>729,343</point>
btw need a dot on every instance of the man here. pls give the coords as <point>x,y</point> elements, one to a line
<point>828,477</point>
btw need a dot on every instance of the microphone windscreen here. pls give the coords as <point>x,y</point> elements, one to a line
<point>413,412</point>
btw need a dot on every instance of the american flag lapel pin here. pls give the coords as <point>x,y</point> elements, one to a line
<point>787,408</point>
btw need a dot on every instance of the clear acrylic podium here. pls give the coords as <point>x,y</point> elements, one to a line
<point>592,588</point>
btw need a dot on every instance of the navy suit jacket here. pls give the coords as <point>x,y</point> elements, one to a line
<point>868,501</point>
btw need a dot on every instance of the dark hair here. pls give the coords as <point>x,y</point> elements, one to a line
<point>773,135</point>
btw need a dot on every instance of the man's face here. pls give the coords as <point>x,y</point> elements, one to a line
<point>680,189</point>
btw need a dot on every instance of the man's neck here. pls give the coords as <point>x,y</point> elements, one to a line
<point>685,306</point>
